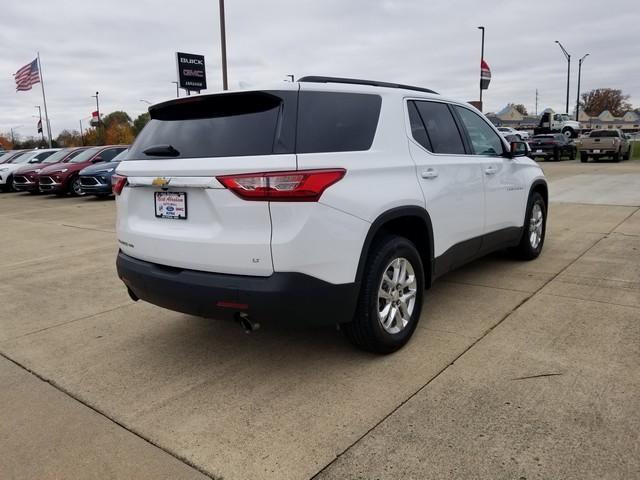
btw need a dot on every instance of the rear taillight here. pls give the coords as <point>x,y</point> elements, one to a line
<point>294,186</point>
<point>118,182</point>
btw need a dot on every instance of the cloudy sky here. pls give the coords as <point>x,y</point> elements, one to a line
<point>125,49</point>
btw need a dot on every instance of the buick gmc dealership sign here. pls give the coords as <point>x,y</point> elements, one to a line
<point>191,73</point>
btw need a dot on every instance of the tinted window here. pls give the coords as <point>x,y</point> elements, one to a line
<point>223,125</point>
<point>336,122</point>
<point>441,128</point>
<point>418,131</point>
<point>484,140</point>
<point>108,155</point>
<point>41,156</point>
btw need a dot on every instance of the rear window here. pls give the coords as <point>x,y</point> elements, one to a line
<point>603,134</point>
<point>259,123</point>
<point>225,125</point>
<point>336,122</point>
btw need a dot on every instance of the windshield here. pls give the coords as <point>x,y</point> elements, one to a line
<point>603,134</point>
<point>22,158</point>
<point>38,157</point>
<point>565,117</point>
<point>86,155</point>
<point>57,156</point>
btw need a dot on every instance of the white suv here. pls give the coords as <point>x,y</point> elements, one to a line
<point>326,201</point>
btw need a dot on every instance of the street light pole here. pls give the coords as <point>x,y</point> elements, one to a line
<point>481,60</point>
<point>81,134</point>
<point>579,74</point>
<point>566,54</point>
<point>223,46</point>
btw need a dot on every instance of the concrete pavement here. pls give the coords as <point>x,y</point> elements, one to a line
<point>470,396</point>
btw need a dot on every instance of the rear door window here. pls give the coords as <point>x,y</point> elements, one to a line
<point>441,127</point>
<point>224,125</point>
<point>336,122</point>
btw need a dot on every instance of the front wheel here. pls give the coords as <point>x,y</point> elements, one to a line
<point>535,225</point>
<point>390,297</point>
<point>584,158</point>
<point>556,154</point>
<point>569,132</point>
<point>616,157</point>
<point>573,153</point>
<point>75,188</point>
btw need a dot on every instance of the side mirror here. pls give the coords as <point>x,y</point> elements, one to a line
<point>518,149</point>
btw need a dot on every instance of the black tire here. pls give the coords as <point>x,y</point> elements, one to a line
<point>569,132</point>
<point>526,250</point>
<point>75,189</point>
<point>627,155</point>
<point>556,154</point>
<point>573,153</point>
<point>616,157</point>
<point>584,158</point>
<point>8,187</point>
<point>366,330</point>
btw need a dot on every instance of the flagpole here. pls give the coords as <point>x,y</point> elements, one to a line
<point>44,101</point>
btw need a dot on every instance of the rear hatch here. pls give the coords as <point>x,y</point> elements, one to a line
<point>175,212</point>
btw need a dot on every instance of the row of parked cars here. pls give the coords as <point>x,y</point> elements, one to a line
<point>68,171</point>
<point>598,144</point>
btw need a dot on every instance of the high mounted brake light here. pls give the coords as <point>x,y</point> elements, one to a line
<point>292,186</point>
<point>118,182</point>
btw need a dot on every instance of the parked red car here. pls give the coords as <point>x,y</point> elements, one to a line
<point>62,178</point>
<point>25,179</point>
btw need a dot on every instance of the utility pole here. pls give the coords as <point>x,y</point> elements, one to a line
<point>579,74</point>
<point>223,46</point>
<point>568,57</point>
<point>536,102</point>
<point>81,134</point>
<point>481,60</point>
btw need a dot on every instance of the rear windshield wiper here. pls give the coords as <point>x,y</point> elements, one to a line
<point>161,151</point>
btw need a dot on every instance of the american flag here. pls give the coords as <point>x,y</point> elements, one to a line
<point>27,76</point>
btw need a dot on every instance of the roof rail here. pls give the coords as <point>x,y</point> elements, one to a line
<point>356,81</point>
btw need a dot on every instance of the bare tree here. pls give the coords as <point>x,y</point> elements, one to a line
<point>597,101</point>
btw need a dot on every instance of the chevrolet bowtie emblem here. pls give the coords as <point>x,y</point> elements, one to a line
<point>160,182</point>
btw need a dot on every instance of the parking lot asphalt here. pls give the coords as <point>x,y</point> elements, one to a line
<point>516,370</point>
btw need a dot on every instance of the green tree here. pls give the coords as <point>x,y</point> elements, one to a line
<point>116,118</point>
<point>140,122</point>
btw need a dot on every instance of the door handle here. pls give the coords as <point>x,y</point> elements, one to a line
<point>490,170</point>
<point>429,173</point>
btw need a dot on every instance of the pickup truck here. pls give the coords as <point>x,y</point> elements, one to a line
<point>605,143</point>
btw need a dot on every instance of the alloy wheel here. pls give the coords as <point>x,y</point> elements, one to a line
<point>397,295</point>
<point>535,225</point>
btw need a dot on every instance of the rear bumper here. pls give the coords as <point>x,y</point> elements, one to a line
<point>283,298</point>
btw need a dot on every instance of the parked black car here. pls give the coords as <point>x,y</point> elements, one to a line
<point>553,146</point>
<point>96,179</point>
